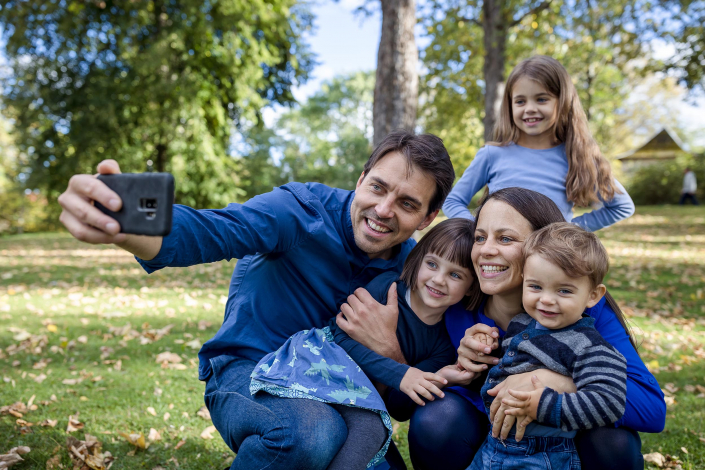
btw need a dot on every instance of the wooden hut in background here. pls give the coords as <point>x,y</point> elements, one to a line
<point>664,145</point>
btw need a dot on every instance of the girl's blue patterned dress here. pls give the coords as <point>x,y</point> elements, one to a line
<point>310,365</point>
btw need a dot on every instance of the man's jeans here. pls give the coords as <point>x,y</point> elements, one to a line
<point>266,431</point>
<point>531,453</point>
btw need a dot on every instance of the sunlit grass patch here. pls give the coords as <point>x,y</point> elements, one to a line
<point>81,327</point>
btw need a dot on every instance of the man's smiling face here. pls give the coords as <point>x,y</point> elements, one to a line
<point>390,203</point>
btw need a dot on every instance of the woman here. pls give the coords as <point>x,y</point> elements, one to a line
<point>446,433</point>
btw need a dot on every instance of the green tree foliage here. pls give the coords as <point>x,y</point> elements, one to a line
<point>20,210</point>
<point>326,139</point>
<point>594,40</point>
<point>682,24</point>
<point>159,80</point>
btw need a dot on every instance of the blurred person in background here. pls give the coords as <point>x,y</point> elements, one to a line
<point>690,185</point>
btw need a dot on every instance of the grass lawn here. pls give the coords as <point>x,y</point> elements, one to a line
<point>81,328</point>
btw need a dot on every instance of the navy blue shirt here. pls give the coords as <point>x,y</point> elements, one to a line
<point>298,262</point>
<point>426,347</point>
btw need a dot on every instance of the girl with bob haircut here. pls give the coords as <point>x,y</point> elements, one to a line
<point>542,142</point>
<point>325,364</point>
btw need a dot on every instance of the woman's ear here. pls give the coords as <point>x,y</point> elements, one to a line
<point>596,295</point>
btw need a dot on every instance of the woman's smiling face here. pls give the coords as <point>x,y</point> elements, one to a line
<point>496,254</point>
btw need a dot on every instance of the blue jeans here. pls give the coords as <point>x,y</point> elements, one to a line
<point>266,431</point>
<point>531,453</point>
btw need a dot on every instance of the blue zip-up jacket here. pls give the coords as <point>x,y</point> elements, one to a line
<point>645,409</point>
<point>298,262</point>
<point>543,171</point>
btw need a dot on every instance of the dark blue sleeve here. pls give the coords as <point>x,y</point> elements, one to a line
<point>377,367</point>
<point>268,223</point>
<point>645,408</point>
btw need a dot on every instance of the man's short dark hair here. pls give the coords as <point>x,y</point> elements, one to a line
<point>426,152</point>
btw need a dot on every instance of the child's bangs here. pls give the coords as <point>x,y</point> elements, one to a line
<point>455,247</point>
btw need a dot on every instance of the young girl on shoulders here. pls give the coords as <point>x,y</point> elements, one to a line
<point>542,142</point>
<point>327,365</point>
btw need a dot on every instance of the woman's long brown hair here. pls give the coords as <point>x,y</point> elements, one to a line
<point>589,173</point>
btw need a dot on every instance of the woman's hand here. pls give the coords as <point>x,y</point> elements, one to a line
<point>501,422</point>
<point>455,375</point>
<point>472,350</point>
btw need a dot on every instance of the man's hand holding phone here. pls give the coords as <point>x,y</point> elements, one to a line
<point>87,223</point>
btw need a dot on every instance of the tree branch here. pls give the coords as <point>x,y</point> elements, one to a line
<point>534,11</point>
<point>470,20</point>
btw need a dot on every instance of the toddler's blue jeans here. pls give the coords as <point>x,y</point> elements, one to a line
<point>531,453</point>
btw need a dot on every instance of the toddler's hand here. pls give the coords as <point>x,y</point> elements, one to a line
<point>484,338</point>
<point>417,382</point>
<point>456,375</point>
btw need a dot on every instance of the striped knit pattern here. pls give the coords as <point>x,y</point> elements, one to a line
<point>578,351</point>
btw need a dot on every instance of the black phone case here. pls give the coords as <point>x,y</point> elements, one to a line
<point>147,202</point>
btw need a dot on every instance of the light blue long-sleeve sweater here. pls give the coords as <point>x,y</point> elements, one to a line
<point>543,171</point>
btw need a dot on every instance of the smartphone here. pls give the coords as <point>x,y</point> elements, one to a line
<point>147,202</point>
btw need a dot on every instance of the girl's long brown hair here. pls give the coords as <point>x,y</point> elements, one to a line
<point>589,173</point>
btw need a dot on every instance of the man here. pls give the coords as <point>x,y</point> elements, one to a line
<point>302,250</point>
<point>690,185</point>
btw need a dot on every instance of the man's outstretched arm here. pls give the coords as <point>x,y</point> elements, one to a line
<point>268,223</point>
<point>88,224</point>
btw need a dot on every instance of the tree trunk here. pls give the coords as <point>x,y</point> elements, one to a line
<point>397,80</point>
<point>495,28</point>
<point>160,158</point>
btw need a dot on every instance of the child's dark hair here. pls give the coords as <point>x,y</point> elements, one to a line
<point>578,253</point>
<point>451,239</point>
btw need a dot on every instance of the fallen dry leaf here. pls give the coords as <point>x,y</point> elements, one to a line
<point>168,357</point>
<point>13,457</point>
<point>17,409</point>
<point>74,424</point>
<point>154,435</point>
<point>54,462</point>
<point>88,453</point>
<point>135,439</point>
<point>655,458</point>
<point>72,381</point>
<point>179,444</point>
<point>49,423</point>
<point>208,432</point>
<point>151,411</point>
<point>204,413</point>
